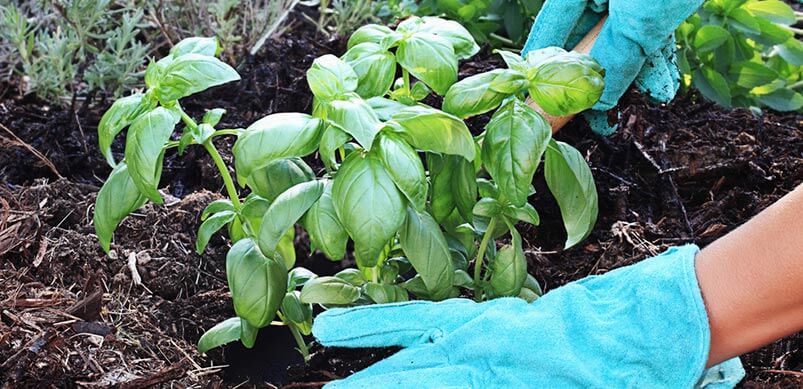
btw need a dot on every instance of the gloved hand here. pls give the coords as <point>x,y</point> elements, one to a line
<point>639,326</point>
<point>637,44</point>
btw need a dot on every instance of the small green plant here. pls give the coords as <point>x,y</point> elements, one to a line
<point>73,48</point>
<point>744,53</point>
<point>341,17</point>
<point>418,195</point>
<point>485,19</point>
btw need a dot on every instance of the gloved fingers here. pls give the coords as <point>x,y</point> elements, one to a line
<point>589,19</point>
<point>621,65</point>
<point>399,324</point>
<point>659,77</point>
<point>554,23</point>
<point>650,23</point>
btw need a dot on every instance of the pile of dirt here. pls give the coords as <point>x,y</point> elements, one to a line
<point>672,174</point>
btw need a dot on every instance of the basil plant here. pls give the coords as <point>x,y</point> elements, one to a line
<point>420,197</point>
<point>422,200</point>
<point>258,277</point>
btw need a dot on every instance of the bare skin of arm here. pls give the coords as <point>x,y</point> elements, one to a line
<point>752,280</point>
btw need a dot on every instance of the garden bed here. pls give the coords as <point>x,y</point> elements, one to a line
<point>69,315</point>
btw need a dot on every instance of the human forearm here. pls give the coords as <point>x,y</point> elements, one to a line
<point>752,280</point>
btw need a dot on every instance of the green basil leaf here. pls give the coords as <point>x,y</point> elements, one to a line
<point>750,74</point>
<point>742,20</point>
<point>483,92</point>
<point>212,117</point>
<point>117,117</point>
<point>791,51</point>
<point>191,73</point>
<point>528,295</point>
<point>222,333</point>
<point>385,108</point>
<point>454,188</point>
<point>326,233</point>
<point>236,230</point>
<point>116,199</point>
<point>368,205</point>
<point>195,45</point>
<point>405,168</point>
<point>278,176</point>
<point>532,284</point>
<point>257,283</point>
<point>330,291</point>
<point>509,268</point>
<point>248,334</point>
<point>217,206</point>
<point>570,181</point>
<point>144,149</point>
<point>783,100</point>
<point>417,287</point>
<point>333,138</point>
<point>487,207</point>
<point>526,213</point>
<point>153,72</point>
<point>535,58</point>
<point>293,309</point>
<point>209,227</point>
<point>254,207</point>
<point>713,86</point>
<point>430,58</point>
<point>709,37</point>
<point>463,279</point>
<point>463,43</point>
<point>515,139</point>
<point>487,188</point>
<point>330,77</point>
<point>774,10</point>
<point>426,249</point>
<point>299,276</point>
<point>288,208</point>
<point>432,130</point>
<point>286,248</point>
<point>566,84</point>
<point>352,276</point>
<point>355,117</point>
<point>375,68</point>
<point>384,293</point>
<point>371,33</point>
<point>419,91</point>
<point>513,61</point>
<point>276,136</point>
<point>771,33</point>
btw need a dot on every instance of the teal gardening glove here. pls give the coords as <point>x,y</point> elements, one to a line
<point>637,44</point>
<point>639,326</point>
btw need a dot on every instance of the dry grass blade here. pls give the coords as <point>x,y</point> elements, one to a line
<point>33,151</point>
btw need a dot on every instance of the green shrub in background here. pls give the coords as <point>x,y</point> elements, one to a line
<point>744,53</point>
<point>487,20</point>
<point>62,49</point>
<point>57,45</point>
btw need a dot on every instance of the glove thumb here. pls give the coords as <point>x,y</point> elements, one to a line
<point>399,324</point>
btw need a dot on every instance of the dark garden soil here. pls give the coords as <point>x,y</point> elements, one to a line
<point>71,316</point>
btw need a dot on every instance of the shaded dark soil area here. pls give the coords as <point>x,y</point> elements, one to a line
<point>70,315</point>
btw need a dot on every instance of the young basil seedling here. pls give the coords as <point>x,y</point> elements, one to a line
<point>261,226</point>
